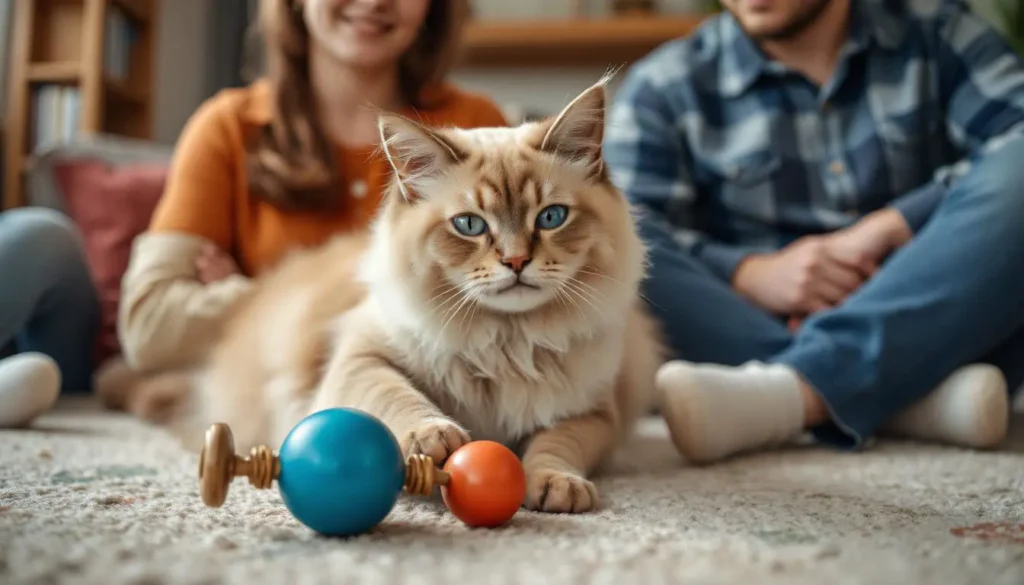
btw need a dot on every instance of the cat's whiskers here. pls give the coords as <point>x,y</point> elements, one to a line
<point>458,308</point>
<point>558,297</point>
<point>583,270</point>
<point>450,288</point>
<point>442,285</point>
<point>453,297</point>
<point>473,290</point>
<point>582,294</point>
<point>593,289</point>
<point>472,313</point>
<point>616,281</point>
<point>560,291</point>
<point>578,286</point>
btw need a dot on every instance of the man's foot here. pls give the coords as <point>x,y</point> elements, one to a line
<point>970,408</point>
<point>714,411</point>
<point>29,386</point>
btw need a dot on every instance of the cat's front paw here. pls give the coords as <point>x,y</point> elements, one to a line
<point>435,438</point>
<point>559,491</point>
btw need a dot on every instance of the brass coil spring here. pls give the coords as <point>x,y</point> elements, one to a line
<point>262,467</point>
<point>421,475</point>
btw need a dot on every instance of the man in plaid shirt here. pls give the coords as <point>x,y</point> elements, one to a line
<point>853,169</point>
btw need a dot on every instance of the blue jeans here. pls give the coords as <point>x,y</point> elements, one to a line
<point>953,295</point>
<point>48,302</point>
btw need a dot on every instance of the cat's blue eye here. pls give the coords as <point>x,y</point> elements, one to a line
<point>469,224</point>
<point>552,216</point>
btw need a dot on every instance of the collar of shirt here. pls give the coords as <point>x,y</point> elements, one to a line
<point>743,63</point>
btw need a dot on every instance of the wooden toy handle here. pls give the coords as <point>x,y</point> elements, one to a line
<point>421,475</point>
<point>219,465</point>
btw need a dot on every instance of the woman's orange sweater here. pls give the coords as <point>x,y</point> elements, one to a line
<point>207,193</point>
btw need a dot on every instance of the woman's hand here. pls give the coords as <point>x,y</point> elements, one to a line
<point>214,264</point>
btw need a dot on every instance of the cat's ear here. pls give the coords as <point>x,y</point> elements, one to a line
<point>416,153</point>
<point>576,133</point>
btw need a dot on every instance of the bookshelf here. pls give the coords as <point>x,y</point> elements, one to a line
<point>76,67</point>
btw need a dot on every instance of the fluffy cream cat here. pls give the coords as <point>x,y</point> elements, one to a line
<point>494,298</point>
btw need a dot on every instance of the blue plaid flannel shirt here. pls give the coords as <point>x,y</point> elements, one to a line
<point>736,155</point>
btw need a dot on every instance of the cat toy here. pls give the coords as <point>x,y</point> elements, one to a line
<point>340,472</point>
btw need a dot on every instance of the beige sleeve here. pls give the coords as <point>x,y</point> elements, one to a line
<point>167,318</point>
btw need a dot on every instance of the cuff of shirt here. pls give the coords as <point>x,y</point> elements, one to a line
<point>722,259</point>
<point>919,205</point>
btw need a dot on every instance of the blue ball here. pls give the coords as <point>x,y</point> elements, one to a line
<point>341,471</point>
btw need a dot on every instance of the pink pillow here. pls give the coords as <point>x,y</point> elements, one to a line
<point>111,205</point>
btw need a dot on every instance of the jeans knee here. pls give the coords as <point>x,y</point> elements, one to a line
<point>45,235</point>
<point>39,225</point>
<point>1000,171</point>
<point>44,248</point>
<point>992,191</point>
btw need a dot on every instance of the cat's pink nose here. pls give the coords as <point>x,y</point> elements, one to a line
<point>516,263</point>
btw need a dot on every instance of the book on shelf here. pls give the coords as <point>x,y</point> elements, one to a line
<point>121,34</point>
<point>55,115</point>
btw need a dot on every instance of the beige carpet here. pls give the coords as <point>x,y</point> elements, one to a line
<point>93,497</point>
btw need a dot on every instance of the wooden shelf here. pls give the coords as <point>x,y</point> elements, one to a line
<point>584,41</point>
<point>71,72</point>
<point>55,72</point>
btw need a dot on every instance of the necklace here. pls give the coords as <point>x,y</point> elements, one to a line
<point>358,188</point>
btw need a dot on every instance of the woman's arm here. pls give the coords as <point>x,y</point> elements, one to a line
<point>167,317</point>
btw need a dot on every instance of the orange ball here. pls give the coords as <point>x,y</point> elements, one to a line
<point>487,484</point>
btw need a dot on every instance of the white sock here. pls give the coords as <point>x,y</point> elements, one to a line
<point>29,386</point>
<point>970,408</point>
<point>715,411</point>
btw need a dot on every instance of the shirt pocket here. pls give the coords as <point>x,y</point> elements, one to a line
<point>910,146</point>
<point>746,170</point>
<point>744,183</point>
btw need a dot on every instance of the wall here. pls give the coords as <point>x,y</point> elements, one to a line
<point>182,66</point>
<point>548,89</point>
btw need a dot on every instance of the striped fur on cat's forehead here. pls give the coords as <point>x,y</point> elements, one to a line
<point>511,185</point>
<point>506,158</point>
<point>507,172</point>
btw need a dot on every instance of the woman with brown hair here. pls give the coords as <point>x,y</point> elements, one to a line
<point>287,161</point>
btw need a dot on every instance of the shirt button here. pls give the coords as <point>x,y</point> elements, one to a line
<point>358,188</point>
<point>837,167</point>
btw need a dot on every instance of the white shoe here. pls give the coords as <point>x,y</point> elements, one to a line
<point>970,408</point>
<point>29,386</point>
<point>714,412</point>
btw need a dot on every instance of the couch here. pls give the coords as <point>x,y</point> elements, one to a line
<point>109,186</point>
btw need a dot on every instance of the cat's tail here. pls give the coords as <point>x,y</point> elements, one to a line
<point>157,398</point>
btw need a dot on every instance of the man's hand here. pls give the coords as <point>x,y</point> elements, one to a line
<point>213,264</point>
<point>872,238</point>
<point>802,278</point>
<point>818,272</point>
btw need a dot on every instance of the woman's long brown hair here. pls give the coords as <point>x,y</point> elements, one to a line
<point>291,162</point>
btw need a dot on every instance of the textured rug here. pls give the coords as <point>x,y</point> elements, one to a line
<point>93,497</point>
